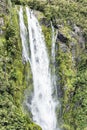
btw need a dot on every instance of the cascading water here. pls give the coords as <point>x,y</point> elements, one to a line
<point>42,105</point>
<point>54,36</point>
<point>24,36</point>
<point>53,44</point>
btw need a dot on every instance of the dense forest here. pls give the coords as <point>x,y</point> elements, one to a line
<point>69,19</point>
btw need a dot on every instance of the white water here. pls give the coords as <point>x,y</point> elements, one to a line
<point>42,105</point>
<point>23,34</point>
<point>54,36</point>
<point>53,44</point>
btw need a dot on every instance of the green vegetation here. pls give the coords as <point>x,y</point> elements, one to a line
<point>12,79</point>
<point>65,12</point>
<point>47,33</point>
<point>79,99</point>
<point>71,72</point>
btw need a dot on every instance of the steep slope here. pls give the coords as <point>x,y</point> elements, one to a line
<point>12,80</point>
<point>70,21</point>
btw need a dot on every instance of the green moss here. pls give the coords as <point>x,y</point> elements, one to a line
<point>48,37</point>
<point>73,77</point>
<point>67,76</point>
<point>74,85</point>
<point>13,81</point>
<point>79,97</point>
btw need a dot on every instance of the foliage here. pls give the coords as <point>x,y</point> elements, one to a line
<point>79,112</point>
<point>66,73</point>
<point>71,77</point>
<point>12,80</point>
<point>48,37</point>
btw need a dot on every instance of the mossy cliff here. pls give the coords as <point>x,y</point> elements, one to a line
<point>70,21</point>
<point>12,80</point>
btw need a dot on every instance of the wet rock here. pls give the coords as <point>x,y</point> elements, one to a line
<point>45,22</point>
<point>77,33</point>
<point>56,26</point>
<point>2,6</point>
<point>76,29</point>
<point>64,47</point>
<point>62,38</point>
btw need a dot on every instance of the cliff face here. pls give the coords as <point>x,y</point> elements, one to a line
<point>70,22</point>
<point>12,71</point>
<point>70,58</point>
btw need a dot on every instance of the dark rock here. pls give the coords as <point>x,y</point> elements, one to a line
<point>62,38</point>
<point>56,26</point>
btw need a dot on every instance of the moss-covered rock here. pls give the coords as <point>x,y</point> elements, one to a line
<point>13,80</point>
<point>69,19</point>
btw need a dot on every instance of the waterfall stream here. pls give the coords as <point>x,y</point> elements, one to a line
<point>53,44</point>
<point>43,105</point>
<point>23,35</point>
<point>53,59</point>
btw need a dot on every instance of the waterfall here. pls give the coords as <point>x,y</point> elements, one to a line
<point>53,44</point>
<point>54,36</point>
<point>23,35</point>
<point>42,105</point>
